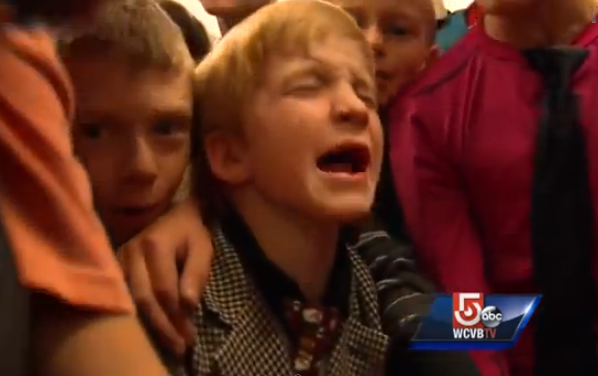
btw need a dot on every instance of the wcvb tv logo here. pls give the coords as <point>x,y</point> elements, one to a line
<point>474,321</point>
<point>467,310</point>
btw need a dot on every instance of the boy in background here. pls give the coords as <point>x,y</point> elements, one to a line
<point>131,71</point>
<point>401,35</point>
<point>81,306</point>
<point>286,294</point>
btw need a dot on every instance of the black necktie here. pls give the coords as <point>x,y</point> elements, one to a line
<point>562,223</point>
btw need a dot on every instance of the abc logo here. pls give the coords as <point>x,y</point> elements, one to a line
<point>491,317</point>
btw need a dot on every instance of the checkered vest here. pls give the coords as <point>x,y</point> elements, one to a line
<point>238,335</point>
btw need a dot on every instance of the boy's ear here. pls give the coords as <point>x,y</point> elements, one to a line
<point>226,157</point>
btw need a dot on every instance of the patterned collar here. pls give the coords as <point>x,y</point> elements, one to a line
<point>238,334</point>
<point>274,284</point>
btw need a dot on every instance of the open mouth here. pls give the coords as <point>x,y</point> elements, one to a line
<point>347,159</point>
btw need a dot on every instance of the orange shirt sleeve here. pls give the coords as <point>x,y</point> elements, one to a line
<point>59,244</point>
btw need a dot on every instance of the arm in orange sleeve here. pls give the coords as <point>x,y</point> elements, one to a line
<point>59,246</point>
<point>438,217</point>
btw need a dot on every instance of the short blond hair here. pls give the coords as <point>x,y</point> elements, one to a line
<point>228,76</point>
<point>226,80</point>
<point>138,29</point>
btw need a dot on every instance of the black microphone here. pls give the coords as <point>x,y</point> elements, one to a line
<point>405,297</point>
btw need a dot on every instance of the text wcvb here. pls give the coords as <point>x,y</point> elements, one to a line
<point>474,321</point>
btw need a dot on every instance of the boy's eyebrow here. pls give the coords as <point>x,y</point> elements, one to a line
<point>95,115</point>
<point>360,78</point>
<point>413,14</point>
<point>318,66</point>
<point>177,113</point>
<point>182,111</point>
<point>181,114</point>
<point>310,67</point>
<point>403,14</point>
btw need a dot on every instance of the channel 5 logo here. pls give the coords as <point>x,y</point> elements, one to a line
<point>470,311</point>
<point>474,321</point>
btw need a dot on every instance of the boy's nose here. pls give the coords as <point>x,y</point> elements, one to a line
<point>349,108</point>
<point>375,39</point>
<point>140,165</point>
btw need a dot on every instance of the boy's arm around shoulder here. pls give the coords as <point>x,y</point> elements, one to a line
<point>405,296</point>
<point>392,266</point>
<point>404,293</point>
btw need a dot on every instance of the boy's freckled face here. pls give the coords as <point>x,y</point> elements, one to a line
<point>313,138</point>
<point>399,34</point>
<point>132,134</point>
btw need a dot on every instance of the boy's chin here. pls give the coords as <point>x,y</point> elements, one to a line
<point>347,213</point>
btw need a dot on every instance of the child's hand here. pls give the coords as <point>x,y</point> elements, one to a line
<point>167,266</point>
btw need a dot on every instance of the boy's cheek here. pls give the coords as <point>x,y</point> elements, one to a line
<point>184,190</point>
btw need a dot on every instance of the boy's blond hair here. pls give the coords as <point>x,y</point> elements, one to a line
<point>138,29</point>
<point>227,78</point>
